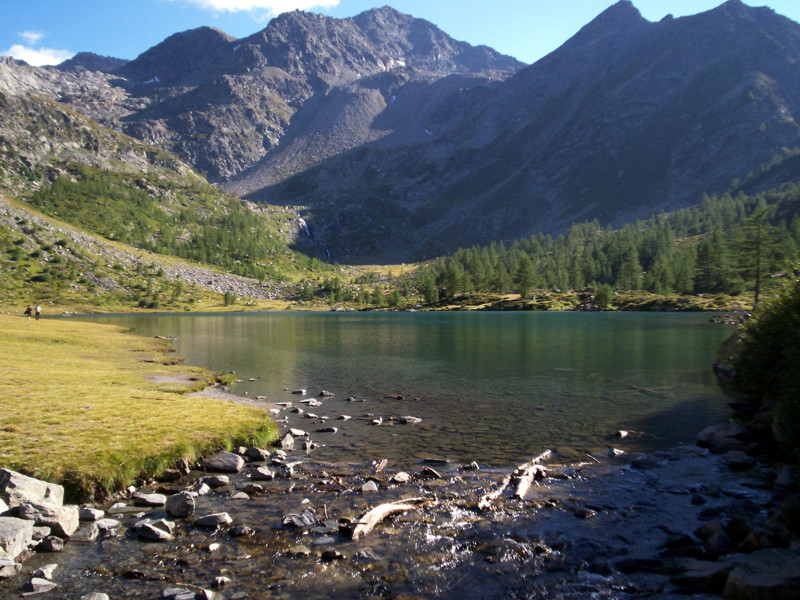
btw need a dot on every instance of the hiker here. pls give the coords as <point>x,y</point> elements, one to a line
<point>38,312</point>
<point>28,311</point>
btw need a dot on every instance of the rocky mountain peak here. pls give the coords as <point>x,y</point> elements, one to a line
<point>92,62</point>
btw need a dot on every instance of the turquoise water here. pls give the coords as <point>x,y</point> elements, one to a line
<point>492,387</point>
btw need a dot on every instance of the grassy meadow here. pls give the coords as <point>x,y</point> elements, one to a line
<point>95,408</point>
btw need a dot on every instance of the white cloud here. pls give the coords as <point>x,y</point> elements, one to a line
<point>31,36</point>
<point>272,7</point>
<point>38,56</point>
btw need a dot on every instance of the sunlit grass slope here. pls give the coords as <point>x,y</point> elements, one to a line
<point>80,404</point>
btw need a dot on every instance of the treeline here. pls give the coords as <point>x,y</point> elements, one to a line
<point>191,220</point>
<point>724,245</point>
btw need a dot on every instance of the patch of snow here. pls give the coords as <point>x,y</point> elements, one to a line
<point>236,47</point>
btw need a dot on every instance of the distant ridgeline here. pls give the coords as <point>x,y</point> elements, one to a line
<point>716,247</point>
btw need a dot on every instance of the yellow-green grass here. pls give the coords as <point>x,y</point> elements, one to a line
<point>95,408</point>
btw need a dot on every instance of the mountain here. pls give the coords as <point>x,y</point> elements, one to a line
<point>396,142</point>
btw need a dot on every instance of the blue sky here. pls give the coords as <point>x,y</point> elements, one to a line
<point>49,31</point>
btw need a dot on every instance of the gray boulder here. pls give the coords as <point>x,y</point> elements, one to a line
<point>15,535</point>
<point>51,544</point>
<point>213,521</point>
<point>87,513</point>
<point>95,596</point>
<point>180,505</point>
<point>8,567</point>
<point>225,462</point>
<point>772,574</point>
<point>62,520</point>
<point>145,499</point>
<point>216,481</point>
<point>15,487</point>
<point>262,474</point>
<point>287,442</point>
<point>39,585</point>
<point>722,437</point>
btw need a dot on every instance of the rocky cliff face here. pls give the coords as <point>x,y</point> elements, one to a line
<point>400,142</point>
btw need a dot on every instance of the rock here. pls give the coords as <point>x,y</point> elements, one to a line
<point>621,434</point>
<point>62,520</point>
<point>298,551</point>
<point>39,533</point>
<point>199,488</point>
<point>344,417</point>
<point>410,420</point>
<point>473,466</point>
<point>330,555</point>
<point>722,437</point>
<point>325,394</point>
<point>151,531</point>
<point>45,571</point>
<point>254,454</point>
<point>221,581</point>
<point>368,487</point>
<point>150,500</point>
<point>298,433</point>
<point>37,585</point>
<point>299,392</point>
<point>715,540</point>
<point>180,505</point>
<point>757,539</point>
<point>767,574</point>
<point>303,520</point>
<point>262,474</point>
<point>216,481</point>
<point>645,462</point>
<point>253,488</point>
<point>378,421</point>
<point>240,496</point>
<point>327,430</point>
<point>287,441</point>
<point>120,508</point>
<point>311,416</point>
<point>214,520</point>
<point>311,402</point>
<point>297,410</point>
<point>107,525</point>
<point>213,547</point>
<point>240,531</point>
<point>51,544</point>
<point>87,513</point>
<point>8,567</point>
<point>15,487</point>
<point>95,596</point>
<point>736,460</point>
<point>224,462</point>
<point>428,473</point>
<point>3,506</point>
<point>86,534</point>
<point>401,477</point>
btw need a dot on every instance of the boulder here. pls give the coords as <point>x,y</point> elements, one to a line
<point>15,487</point>
<point>51,544</point>
<point>38,585</point>
<point>216,481</point>
<point>3,506</point>
<point>369,486</point>
<point>87,513</point>
<point>86,534</point>
<point>8,567</point>
<point>149,500</point>
<point>180,505</point>
<point>213,521</point>
<point>722,437</point>
<point>736,460</point>
<point>254,454</point>
<point>151,533</point>
<point>45,571</point>
<point>287,442</point>
<point>262,474</point>
<point>62,520</point>
<point>706,576</point>
<point>767,574</point>
<point>225,462</point>
<point>95,596</point>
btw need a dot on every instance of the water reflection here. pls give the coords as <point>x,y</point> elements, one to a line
<point>494,387</point>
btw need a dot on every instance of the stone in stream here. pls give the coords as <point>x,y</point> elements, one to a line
<point>240,531</point>
<point>287,442</point>
<point>303,520</point>
<point>8,567</point>
<point>327,430</point>
<point>428,473</point>
<point>39,533</point>
<point>325,394</point>
<point>297,410</point>
<point>147,499</point>
<point>15,536</point>
<point>368,487</point>
<point>86,534</point>
<point>254,454</point>
<point>401,477</point>
<point>45,571</point>
<point>95,596</point>
<point>216,481</point>
<point>51,544</point>
<point>214,520</point>
<point>180,505</point>
<point>262,474</point>
<point>225,462</point>
<point>736,460</point>
<point>312,402</point>
<point>38,585</point>
<point>278,457</point>
<point>311,416</point>
<point>773,573</point>
<point>299,392</point>
<point>89,513</point>
<point>344,417</point>
<point>410,420</point>
<point>722,437</point>
<point>62,520</point>
<point>154,530</point>
<point>15,487</point>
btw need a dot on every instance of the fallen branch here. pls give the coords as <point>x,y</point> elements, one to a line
<point>371,518</point>
<point>525,473</point>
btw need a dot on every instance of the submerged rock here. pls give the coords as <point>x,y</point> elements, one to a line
<point>226,462</point>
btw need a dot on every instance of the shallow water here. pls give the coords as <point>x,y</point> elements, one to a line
<point>492,387</point>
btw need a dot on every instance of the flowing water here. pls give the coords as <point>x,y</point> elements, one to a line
<point>492,387</point>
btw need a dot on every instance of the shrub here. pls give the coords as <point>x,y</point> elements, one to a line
<point>768,364</point>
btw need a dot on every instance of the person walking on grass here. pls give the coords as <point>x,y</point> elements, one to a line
<point>28,311</point>
<point>38,312</point>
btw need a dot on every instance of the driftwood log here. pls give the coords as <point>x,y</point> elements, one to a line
<point>525,474</point>
<point>371,518</point>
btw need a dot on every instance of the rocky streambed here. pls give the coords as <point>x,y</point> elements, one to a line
<point>266,523</point>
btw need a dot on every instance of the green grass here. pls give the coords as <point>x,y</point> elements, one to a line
<point>78,407</point>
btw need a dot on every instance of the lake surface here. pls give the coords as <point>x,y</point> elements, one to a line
<point>491,387</point>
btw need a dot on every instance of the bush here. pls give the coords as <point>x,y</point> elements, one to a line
<point>768,365</point>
